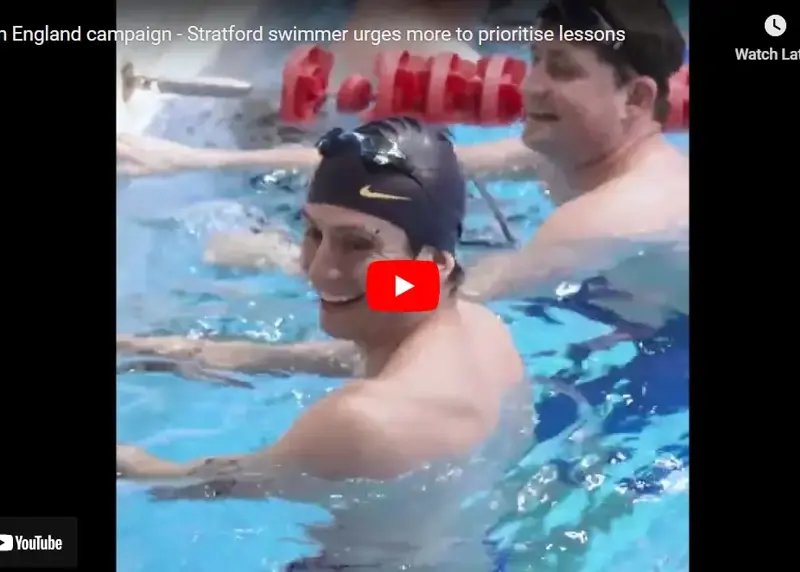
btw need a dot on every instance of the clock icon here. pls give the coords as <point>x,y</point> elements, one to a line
<point>775,25</point>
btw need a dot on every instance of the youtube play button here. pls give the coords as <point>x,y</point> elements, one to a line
<point>403,286</point>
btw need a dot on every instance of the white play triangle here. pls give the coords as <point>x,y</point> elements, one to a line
<point>401,286</point>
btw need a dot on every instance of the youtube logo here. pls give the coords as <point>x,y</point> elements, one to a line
<point>402,286</point>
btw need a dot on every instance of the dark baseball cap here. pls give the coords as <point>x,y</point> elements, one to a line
<point>653,44</point>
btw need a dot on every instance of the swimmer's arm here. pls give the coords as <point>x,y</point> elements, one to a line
<point>334,358</point>
<point>579,240</point>
<point>506,158</point>
<point>263,250</point>
<point>142,155</point>
<point>329,358</point>
<point>300,158</point>
<point>336,439</point>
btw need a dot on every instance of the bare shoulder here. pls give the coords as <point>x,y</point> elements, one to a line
<point>652,198</point>
<point>665,171</point>
<point>473,354</point>
<point>379,431</point>
<point>492,346</point>
<point>350,433</point>
<point>443,395</point>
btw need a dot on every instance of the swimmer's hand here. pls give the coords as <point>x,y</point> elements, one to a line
<point>173,354</point>
<point>139,155</point>
<point>266,249</point>
<point>135,463</point>
<point>187,370</point>
<point>131,461</point>
<point>484,279</point>
<point>192,358</point>
<point>175,347</point>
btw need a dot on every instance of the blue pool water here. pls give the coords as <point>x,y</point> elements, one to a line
<point>619,502</point>
<point>631,523</point>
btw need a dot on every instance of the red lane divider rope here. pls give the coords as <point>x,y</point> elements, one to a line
<point>440,89</point>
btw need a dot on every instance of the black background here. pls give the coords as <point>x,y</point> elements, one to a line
<point>59,528</point>
<point>58,210</point>
<point>58,180</point>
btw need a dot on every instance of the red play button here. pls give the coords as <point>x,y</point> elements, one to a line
<point>403,286</point>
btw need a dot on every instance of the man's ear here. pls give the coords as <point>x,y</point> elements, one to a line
<point>642,94</point>
<point>444,260</point>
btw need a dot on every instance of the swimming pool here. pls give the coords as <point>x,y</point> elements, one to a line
<point>615,503</point>
<point>182,420</point>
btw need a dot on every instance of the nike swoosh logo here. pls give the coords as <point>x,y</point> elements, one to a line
<point>367,192</point>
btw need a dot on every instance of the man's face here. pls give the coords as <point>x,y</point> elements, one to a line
<point>338,246</point>
<point>572,101</point>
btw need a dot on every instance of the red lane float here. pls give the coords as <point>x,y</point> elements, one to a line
<point>402,78</point>
<point>440,89</point>
<point>501,97</point>
<point>305,83</point>
<point>678,119</point>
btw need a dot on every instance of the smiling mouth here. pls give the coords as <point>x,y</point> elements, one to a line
<point>542,116</point>
<point>328,301</point>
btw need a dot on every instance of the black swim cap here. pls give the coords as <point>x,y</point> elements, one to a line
<point>398,170</point>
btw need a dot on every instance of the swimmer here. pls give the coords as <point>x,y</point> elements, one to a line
<point>441,397</point>
<point>594,117</point>
<point>143,155</point>
<point>593,135</point>
<point>264,248</point>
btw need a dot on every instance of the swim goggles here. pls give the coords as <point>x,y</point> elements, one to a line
<point>376,149</point>
<point>577,14</point>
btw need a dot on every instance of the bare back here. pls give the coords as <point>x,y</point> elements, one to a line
<point>650,200</point>
<point>656,195</point>
<point>467,366</point>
